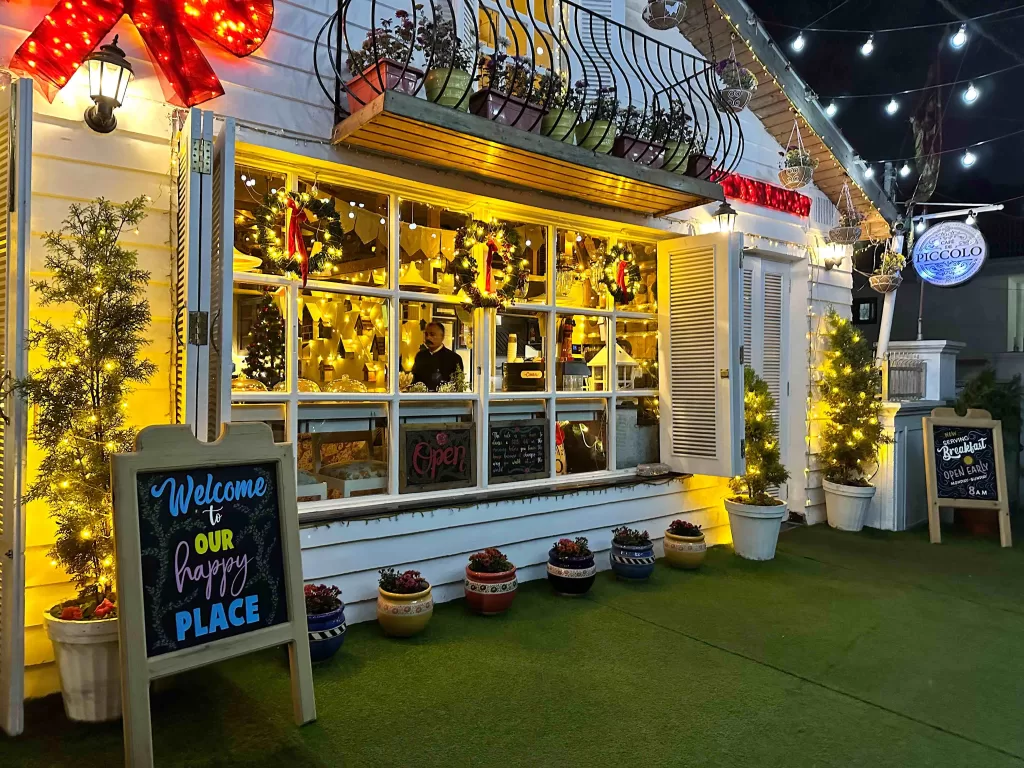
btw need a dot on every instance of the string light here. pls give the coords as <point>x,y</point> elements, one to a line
<point>798,43</point>
<point>831,109</point>
<point>869,172</point>
<point>970,219</point>
<point>970,94</point>
<point>968,159</point>
<point>905,170</point>
<point>959,38</point>
<point>919,227</point>
<point>868,47</point>
<point>892,107</point>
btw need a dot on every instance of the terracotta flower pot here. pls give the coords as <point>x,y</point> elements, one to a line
<point>326,633</point>
<point>632,563</point>
<point>404,615</point>
<point>385,75</point>
<point>685,551</point>
<point>449,87</point>
<point>641,152</point>
<point>596,135</point>
<point>490,593</point>
<point>559,124</point>
<point>571,576</point>
<point>89,667</point>
<point>506,110</point>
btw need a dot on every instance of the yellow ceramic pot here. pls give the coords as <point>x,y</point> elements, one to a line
<point>404,615</point>
<point>685,551</point>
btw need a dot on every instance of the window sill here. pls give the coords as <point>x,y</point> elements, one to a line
<point>390,506</point>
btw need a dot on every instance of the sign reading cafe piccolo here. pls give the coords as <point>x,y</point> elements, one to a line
<point>950,253</point>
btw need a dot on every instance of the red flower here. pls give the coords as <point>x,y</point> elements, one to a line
<point>103,609</point>
<point>71,613</point>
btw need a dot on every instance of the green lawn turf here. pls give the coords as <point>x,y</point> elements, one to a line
<point>866,649</point>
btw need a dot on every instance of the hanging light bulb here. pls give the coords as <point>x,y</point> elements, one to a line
<point>892,107</point>
<point>959,38</point>
<point>868,47</point>
<point>920,226</point>
<point>831,109</point>
<point>798,43</point>
<point>970,219</point>
<point>869,172</point>
<point>970,95</point>
<point>905,169</point>
<point>968,159</point>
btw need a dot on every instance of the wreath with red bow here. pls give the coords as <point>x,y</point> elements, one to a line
<point>621,274</point>
<point>291,255</point>
<point>501,240</point>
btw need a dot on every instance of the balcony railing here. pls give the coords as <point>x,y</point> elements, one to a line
<point>551,67</point>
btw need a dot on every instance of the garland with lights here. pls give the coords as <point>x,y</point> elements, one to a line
<point>763,458</point>
<point>850,388</point>
<point>501,239</point>
<point>88,367</point>
<point>620,273</point>
<point>305,208</point>
<point>761,193</point>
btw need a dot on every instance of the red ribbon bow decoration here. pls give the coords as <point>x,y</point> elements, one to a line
<point>620,278</point>
<point>492,248</point>
<point>294,242</point>
<point>73,28</point>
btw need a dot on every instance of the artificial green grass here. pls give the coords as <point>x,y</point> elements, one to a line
<point>846,650</point>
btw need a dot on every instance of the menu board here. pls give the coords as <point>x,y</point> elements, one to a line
<point>437,457</point>
<point>211,554</point>
<point>518,450</point>
<point>965,464</point>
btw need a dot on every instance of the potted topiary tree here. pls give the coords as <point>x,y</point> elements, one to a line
<point>490,582</point>
<point>404,603</point>
<point>449,59</point>
<point>684,545</point>
<point>755,517</point>
<point>88,367</point>
<point>325,620</point>
<point>632,554</point>
<point>850,386</point>
<point>382,62</point>
<point>571,568</point>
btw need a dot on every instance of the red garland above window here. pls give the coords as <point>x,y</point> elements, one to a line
<point>74,28</point>
<point>762,193</point>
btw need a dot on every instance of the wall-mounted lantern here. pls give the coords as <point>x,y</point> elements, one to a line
<point>109,75</point>
<point>726,216</point>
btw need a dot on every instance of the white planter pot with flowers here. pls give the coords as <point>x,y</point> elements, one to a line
<point>88,664</point>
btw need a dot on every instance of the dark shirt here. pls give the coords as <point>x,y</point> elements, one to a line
<point>435,368</point>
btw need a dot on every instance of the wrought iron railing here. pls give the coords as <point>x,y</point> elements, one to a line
<point>906,377</point>
<point>551,67</point>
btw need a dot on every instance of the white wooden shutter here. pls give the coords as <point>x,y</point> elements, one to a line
<point>748,313</point>
<point>223,245</point>
<point>15,227</point>
<point>191,351</point>
<point>700,319</point>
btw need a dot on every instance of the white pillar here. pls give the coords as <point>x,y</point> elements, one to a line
<point>885,328</point>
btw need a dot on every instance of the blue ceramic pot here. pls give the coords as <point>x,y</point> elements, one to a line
<point>326,633</point>
<point>632,563</point>
<point>571,576</point>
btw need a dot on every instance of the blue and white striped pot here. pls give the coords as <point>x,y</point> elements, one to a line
<point>326,633</point>
<point>572,575</point>
<point>632,563</point>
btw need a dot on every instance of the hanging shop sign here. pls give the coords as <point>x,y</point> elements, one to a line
<point>208,562</point>
<point>950,253</point>
<point>168,28</point>
<point>518,450</point>
<point>437,457</point>
<point>964,466</point>
<point>766,195</point>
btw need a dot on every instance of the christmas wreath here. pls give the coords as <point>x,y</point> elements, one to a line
<point>502,240</point>
<point>620,275</point>
<point>307,209</point>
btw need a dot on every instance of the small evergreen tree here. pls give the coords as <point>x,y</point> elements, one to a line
<point>79,391</point>
<point>264,359</point>
<point>761,432</point>
<point>850,388</point>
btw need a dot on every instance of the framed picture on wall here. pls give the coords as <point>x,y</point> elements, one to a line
<point>865,311</point>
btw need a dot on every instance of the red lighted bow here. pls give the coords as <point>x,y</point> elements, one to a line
<point>492,248</point>
<point>296,246</point>
<point>620,278</point>
<point>73,29</point>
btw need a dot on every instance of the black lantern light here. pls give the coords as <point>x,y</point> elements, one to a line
<point>109,75</point>
<point>726,216</point>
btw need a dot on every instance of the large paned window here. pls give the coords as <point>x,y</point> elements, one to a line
<point>354,337</point>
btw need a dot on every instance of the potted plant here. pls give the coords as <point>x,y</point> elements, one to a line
<point>887,277</point>
<point>850,387</point>
<point>672,128</point>
<point>685,546</point>
<point>755,517</point>
<point>632,554</point>
<point>325,620</point>
<point>88,365</point>
<point>699,165</point>
<point>552,94</point>
<point>490,582</point>
<point>404,602</point>
<point>797,169</point>
<point>597,129</point>
<point>508,95</point>
<point>571,568</point>
<point>449,59</point>
<point>848,231</point>
<point>664,14</point>
<point>382,62</point>
<point>635,140</point>
<point>738,84</point>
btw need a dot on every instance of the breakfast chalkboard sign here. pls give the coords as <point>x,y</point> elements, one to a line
<point>964,466</point>
<point>435,457</point>
<point>518,450</point>
<point>208,562</point>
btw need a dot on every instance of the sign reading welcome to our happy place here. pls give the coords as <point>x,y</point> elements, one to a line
<point>208,563</point>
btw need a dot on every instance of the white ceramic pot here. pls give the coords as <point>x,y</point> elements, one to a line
<point>89,667</point>
<point>755,529</point>
<point>846,505</point>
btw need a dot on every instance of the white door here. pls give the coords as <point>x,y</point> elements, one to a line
<point>15,224</point>
<point>701,376</point>
<point>765,324</point>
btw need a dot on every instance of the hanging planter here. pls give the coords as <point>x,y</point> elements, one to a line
<point>737,84</point>
<point>888,278</point>
<point>885,283</point>
<point>849,230</point>
<point>798,166</point>
<point>664,14</point>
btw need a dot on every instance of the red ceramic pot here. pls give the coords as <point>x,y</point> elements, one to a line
<point>490,593</point>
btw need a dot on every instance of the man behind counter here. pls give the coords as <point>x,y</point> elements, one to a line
<point>434,363</point>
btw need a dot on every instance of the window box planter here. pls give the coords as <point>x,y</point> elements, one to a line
<point>699,166</point>
<point>597,135</point>
<point>755,528</point>
<point>639,151</point>
<point>507,110</point>
<point>449,87</point>
<point>387,72</point>
<point>571,576</point>
<point>490,593</point>
<point>326,633</point>
<point>687,552</point>
<point>846,505</point>
<point>89,667</point>
<point>632,563</point>
<point>404,615</point>
<point>559,124</point>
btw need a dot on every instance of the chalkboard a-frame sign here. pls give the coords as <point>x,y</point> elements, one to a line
<point>208,563</point>
<point>965,467</point>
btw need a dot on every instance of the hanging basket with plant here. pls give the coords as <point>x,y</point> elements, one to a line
<point>737,84</point>
<point>664,14</point>
<point>887,277</point>
<point>797,169</point>
<point>848,231</point>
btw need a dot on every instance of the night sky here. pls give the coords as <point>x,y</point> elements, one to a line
<point>832,65</point>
